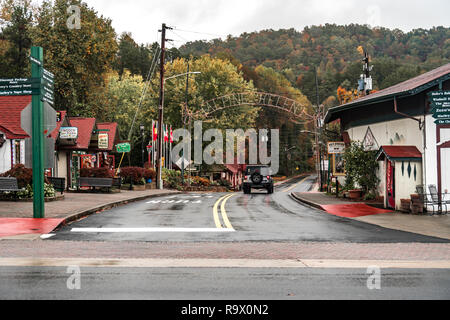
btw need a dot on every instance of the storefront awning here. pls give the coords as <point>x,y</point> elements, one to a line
<point>399,153</point>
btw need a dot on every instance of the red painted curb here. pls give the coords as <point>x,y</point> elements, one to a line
<point>17,226</point>
<point>353,210</point>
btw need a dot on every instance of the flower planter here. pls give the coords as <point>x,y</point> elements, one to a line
<point>139,187</point>
<point>354,194</point>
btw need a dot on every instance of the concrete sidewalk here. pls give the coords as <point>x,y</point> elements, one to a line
<point>74,206</point>
<point>435,226</point>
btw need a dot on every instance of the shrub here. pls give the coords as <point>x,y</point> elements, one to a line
<point>200,181</point>
<point>23,175</point>
<point>134,174</point>
<point>360,167</point>
<point>171,178</point>
<point>224,183</point>
<point>27,192</point>
<point>97,172</point>
<point>149,174</point>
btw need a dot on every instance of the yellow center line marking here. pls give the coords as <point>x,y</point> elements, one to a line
<point>216,213</point>
<point>293,186</point>
<point>224,212</point>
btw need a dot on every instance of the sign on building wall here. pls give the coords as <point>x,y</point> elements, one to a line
<point>440,106</point>
<point>68,133</point>
<point>369,141</point>
<point>103,141</point>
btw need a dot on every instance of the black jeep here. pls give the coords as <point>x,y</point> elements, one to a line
<point>258,177</point>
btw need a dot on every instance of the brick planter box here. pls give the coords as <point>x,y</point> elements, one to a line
<point>136,187</point>
<point>405,205</point>
<point>416,204</point>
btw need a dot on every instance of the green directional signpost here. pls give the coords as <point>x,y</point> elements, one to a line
<point>440,106</point>
<point>40,87</point>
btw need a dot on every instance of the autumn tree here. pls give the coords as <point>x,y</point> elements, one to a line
<point>79,58</point>
<point>16,20</point>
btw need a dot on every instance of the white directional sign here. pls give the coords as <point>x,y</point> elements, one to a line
<point>182,163</point>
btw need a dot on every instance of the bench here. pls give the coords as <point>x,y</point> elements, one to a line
<point>59,184</point>
<point>117,182</point>
<point>95,182</point>
<point>9,184</point>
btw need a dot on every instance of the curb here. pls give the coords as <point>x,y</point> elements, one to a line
<point>294,177</point>
<point>109,205</point>
<point>303,201</point>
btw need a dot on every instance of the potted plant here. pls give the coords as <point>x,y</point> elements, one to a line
<point>354,194</point>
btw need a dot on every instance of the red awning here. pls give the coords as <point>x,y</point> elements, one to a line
<point>399,153</point>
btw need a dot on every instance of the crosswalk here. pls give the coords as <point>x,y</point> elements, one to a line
<point>174,201</point>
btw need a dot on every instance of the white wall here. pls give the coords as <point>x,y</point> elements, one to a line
<point>431,156</point>
<point>5,156</point>
<point>405,184</point>
<point>396,132</point>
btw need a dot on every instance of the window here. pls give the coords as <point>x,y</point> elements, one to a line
<point>17,153</point>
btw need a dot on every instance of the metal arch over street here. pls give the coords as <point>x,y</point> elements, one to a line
<point>298,112</point>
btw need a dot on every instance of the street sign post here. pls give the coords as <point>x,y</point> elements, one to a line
<point>38,120</point>
<point>37,136</point>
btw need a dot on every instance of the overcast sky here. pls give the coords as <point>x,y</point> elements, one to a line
<point>219,18</point>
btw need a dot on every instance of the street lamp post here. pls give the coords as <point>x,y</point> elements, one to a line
<point>159,181</point>
<point>142,128</point>
<point>318,156</point>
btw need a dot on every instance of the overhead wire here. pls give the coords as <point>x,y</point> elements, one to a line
<point>144,91</point>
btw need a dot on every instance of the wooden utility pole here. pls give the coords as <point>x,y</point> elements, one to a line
<point>159,181</point>
<point>316,134</point>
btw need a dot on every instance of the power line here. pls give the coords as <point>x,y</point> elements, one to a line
<point>144,91</point>
<point>198,32</point>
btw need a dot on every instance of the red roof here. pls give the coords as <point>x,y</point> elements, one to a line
<point>235,167</point>
<point>10,109</point>
<point>112,127</point>
<point>85,127</point>
<point>399,152</point>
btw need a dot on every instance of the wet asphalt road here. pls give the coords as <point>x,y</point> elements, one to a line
<point>255,217</point>
<point>221,283</point>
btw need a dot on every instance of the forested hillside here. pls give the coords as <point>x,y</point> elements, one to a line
<point>333,50</point>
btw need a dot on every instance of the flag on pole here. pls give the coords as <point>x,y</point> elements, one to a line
<point>155,130</point>
<point>166,135</point>
<point>170,147</point>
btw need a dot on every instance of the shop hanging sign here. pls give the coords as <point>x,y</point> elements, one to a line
<point>336,147</point>
<point>103,141</point>
<point>68,133</point>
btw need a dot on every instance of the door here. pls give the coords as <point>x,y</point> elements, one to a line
<point>445,173</point>
<point>390,184</point>
<point>74,170</point>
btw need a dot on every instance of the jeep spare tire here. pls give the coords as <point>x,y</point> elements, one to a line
<point>256,178</point>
